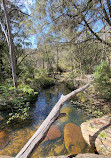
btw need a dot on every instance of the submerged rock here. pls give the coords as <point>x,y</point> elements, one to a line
<point>4,139</point>
<point>53,133</point>
<point>73,139</point>
<point>97,133</point>
<point>59,149</point>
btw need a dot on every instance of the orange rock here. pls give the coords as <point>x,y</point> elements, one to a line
<point>73,139</point>
<point>53,133</point>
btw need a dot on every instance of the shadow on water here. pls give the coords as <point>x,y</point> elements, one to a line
<point>57,141</point>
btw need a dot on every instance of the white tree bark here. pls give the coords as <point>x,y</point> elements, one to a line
<point>10,43</point>
<point>5,33</point>
<point>40,134</point>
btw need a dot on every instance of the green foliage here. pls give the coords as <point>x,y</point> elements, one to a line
<point>72,75</point>
<point>98,113</point>
<point>70,84</point>
<point>44,81</point>
<point>102,134</point>
<point>21,112</point>
<point>17,101</point>
<point>26,89</point>
<point>103,80</point>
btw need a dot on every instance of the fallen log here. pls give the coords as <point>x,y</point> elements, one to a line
<point>40,134</point>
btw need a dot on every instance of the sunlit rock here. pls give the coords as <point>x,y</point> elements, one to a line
<point>97,133</point>
<point>74,141</point>
<point>3,156</point>
<point>62,156</point>
<point>91,156</point>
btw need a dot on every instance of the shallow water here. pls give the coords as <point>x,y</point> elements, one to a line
<point>58,140</point>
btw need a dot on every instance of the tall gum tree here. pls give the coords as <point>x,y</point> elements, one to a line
<point>10,44</point>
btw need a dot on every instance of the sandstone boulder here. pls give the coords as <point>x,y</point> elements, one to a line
<point>97,133</point>
<point>73,139</point>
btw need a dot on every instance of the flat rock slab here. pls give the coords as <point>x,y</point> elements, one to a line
<point>91,156</point>
<point>1,156</point>
<point>81,156</point>
<point>62,156</point>
<point>97,133</point>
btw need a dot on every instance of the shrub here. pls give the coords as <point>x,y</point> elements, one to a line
<point>16,101</point>
<point>102,76</point>
<point>45,82</point>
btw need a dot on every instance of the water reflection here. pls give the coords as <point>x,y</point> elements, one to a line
<point>54,143</point>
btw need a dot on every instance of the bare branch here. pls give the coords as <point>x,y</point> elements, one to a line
<point>109,6</point>
<point>15,9</point>
<point>105,14</point>
<point>95,34</point>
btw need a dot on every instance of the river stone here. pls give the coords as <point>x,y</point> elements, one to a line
<point>97,133</point>
<point>4,139</point>
<point>73,139</point>
<point>53,133</point>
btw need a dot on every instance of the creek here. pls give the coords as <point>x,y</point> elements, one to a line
<point>64,137</point>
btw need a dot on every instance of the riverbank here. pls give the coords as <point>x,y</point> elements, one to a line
<point>17,102</point>
<point>89,100</point>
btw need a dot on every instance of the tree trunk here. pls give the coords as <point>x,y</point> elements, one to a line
<point>40,134</point>
<point>11,52</point>
<point>1,65</point>
<point>5,33</point>
<point>49,62</point>
<point>57,60</point>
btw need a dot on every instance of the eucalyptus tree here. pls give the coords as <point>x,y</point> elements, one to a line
<point>73,15</point>
<point>67,22</point>
<point>10,21</point>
